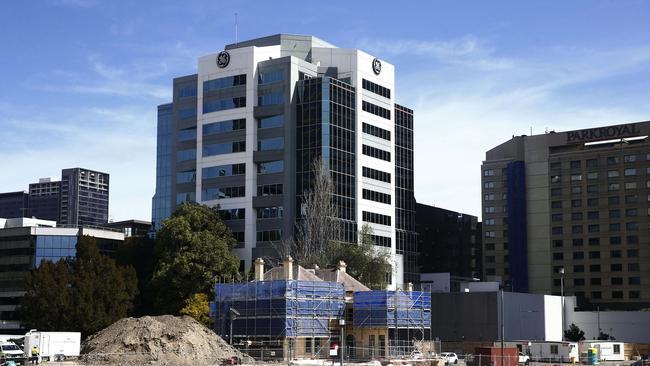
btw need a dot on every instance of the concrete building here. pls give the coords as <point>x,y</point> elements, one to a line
<point>131,227</point>
<point>242,134</point>
<point>24,244</point>
<point>571,208</point>
<point>80,198</point>
<point>449,242</point>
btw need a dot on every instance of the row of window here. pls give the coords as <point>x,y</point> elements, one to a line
<point>217,193</point>
<point>376,174</point>
<point>376,218</point>
<point>270,189</point>
<point>376,196</point>
<point>271,98</point>
<point>376,153</point>
<point>276,166</point>
<point>632,253</point>
<point>628,172</point>
<point>224,170</point>
<point>376,131</point>
<point>270,76</point>
<point>595,228</point>
<point>381,241</point>
<point>185,155</point>
<point>595,215</point>
<point>187,112</point>
<point>223,104</point>
<point>614,240</point>
<point>186,134</point>
<point>232,214</point>
<point>185,197</point>
<point>273,143</point>
<point>187,91</point>
<point>270,122</point>
<point>225,82</point>
<point>611,187</point>
<point>188,176</point>
<point>270,212</point>
<point>375,88</point>
<point>224,148</point>
<point>269,235</point>
<point>593,163</point>
<point>594,202</point>
<point>224,126</point>
<point>375,109</point>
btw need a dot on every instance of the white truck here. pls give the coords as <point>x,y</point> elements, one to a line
<point>53,345</point>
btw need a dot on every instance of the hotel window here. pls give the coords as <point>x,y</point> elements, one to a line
<point>558,165</point>
<point>576,190</point>
<point>488,172</point>
<point>592,163</point>
<point>611,160</point>
<point>593,188</point>
<point>594,241</point>
<point>578,255</point>
<point>630,212</point>
<point>576,177</point>
<point>592,175</point>
<point>616,280</point>
<point>634,280</point>
<point>488,185</point>
<point>613,187</point>
<point>630,185</point>
<point>594,268</point>
<point>593,228</point>
<point>592,202</point>
<point>613,173</point>
<point>633,253</point>
<point>615,240</point>
<point>578,268</point>
<point>577,242</point>
<point>629,158</point>
<point>594,255</point>
<point>630,172</point>
<point>615,254</point>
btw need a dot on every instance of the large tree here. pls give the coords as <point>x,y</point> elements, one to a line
<point>138,252</point>
<point>86,293</point>
<point>366,262</point>
<point>193,248</point>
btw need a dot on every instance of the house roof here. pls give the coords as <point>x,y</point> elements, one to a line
<point>335,275</point>
<point>299,273</point>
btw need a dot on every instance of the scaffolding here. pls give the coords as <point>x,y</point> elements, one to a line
<point>277,309</point>
<point>392,309</point>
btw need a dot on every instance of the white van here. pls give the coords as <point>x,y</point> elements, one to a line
<point>9,351</point>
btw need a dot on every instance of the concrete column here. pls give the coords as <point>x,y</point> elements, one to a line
<point>259,269</point>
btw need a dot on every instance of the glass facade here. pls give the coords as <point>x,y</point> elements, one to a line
<point>325,121</point>
<point>405,206</point>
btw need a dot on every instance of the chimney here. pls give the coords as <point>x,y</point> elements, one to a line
<point>259,269</point>
<point>316,266</point>
<point>288,268</point>
<point>409,287</point>
<point>342,266</point>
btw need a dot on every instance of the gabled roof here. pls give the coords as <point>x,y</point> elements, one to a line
<point>335,275</point>
<point>299,273</point>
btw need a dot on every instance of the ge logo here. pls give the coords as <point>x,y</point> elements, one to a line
<point>223,59</point>
<point>376,66</point>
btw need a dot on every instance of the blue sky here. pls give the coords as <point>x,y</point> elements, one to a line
<point>80,79</point>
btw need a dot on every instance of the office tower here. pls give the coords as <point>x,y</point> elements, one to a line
<point>449,241</point>
<point>246,128</point>
<point>569,211</point>
<point>14,204</point>
<point>44,199</point>
<point>83,197</point>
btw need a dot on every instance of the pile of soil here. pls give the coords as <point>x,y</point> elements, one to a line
<point>159,340</point>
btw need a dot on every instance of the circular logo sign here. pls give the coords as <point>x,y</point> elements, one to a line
<point>223,59</point>
<point>376,66</point>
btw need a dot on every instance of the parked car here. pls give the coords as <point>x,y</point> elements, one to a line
<point>524,359</point>
<point>416,355</point>
<point>9,351</point>
<point>449,357</point>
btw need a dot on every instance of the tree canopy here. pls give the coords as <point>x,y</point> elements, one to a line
<point>86,293</point>
<point>574,333</point>
<point>193,247</point>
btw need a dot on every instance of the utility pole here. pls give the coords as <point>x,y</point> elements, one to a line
<point>562,295</point>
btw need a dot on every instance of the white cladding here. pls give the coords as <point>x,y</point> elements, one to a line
<point>350,63</point>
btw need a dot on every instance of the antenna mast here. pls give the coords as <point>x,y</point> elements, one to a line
<point>236,33</point>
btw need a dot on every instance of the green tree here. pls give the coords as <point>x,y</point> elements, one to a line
<point>602,336</point>
<point>47,304</point>
<point>574,333</point>
<point>83,294</point>
<point>198,307</point>
<point>103,292</point>
<point>366,262</point>
<point>138,252</point>
<point>193,247</point>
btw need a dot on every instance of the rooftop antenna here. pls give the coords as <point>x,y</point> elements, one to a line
<point>236,34</point>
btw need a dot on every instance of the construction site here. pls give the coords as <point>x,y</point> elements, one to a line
<point>290,312</point>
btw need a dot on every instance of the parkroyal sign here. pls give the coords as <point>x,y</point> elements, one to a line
<point>603,133</point>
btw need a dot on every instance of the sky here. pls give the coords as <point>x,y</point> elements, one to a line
<point>80,79</point>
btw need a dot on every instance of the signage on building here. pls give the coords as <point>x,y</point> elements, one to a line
<point>376,66</point>
<point>223,59</point>
<point>603,133</point>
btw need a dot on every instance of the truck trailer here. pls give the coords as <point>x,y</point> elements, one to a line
<point>53,345</point>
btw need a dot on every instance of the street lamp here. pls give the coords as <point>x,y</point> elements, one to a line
<point>562,296</point>
<point>341,347</point>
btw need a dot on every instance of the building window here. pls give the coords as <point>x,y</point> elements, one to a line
<point>578,255</point>
<point>379,218</point>
<point>576,177</point>
<point>613,187</point>
<point>225,82</point>
<point>594,255</point>
<point>232,214</point>
<point>592,175</point>
<point>633,267</point>
<point>489,209</point>
<point>616,267</point>
<point>214,193</point>
<point>223,171</point>
<point>593,228</point>
<point>557,230</point>
<point>188,176</point>
<point>635,294</point>
<point>269,189</point>
<point>576,229</point>
<point>629,158</point>
<point>488,172</point>
<point>595,281</point>
<point>556,217</point>
<point>593,188</point>
<point>596,295</point>
<point>578,242</point>
<point>633,253</point>
<point>612,160</point>
<point>558,256</point>
<point>592,202</point>
<point>615,240</point>
<point>270,212</point>
<point>555,179</point>
<point>187,134</point>
<point>215,128</point>
<point>185,155</point>
<point>631,239</point>
<point>617,294</point>
<point>187,113</point>
<point>376,131</point>
<point>630,212</point>
<point>273,143</point>
<point>615,227</point>
<point>381,176</point>
<point>556,165</point>
<point>575,164</point>
<point>269,235</point>
<point>592,163</point>
<point>593,215</point>
<point>556,191</point>
<point>594,241</point>
<point>557,244</point>
<point>556,204</point>
<point>271,99</point>
<point>224,148</point>
<point>376,196</point>
<point>578,268</point>
<point>578,282</point>
<point>632,226</point>
<point>634,280</point>
<point>269,167</point>
<point>576,203</point>
<point>271,122</point>
<point>612,173</point>
<point>615,254</point>
<point>630,172</point>
<point>210,106</point>
<point>613,200</point>
<point>486,185</point>
<point>375,88</point>
<point>185,197</point>
<point>375,153</point>
<point>489,197</point>
<point>270,76</point>
<point>576,190</point>
<point>594,268</point>
<point>375,109</point>
<point>630,185</point>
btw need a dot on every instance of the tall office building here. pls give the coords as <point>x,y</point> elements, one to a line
<point>84,197</point>
<point>14,204</point>
<point>44,199</point>
<point>245,129</point>
<point>449,241</point>
<point>575,202</point>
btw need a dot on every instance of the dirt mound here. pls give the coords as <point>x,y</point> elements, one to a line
<point>160,340</point>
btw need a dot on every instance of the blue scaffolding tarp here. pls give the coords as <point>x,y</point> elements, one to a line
<point>277,308</point>
<point>392,309</point>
